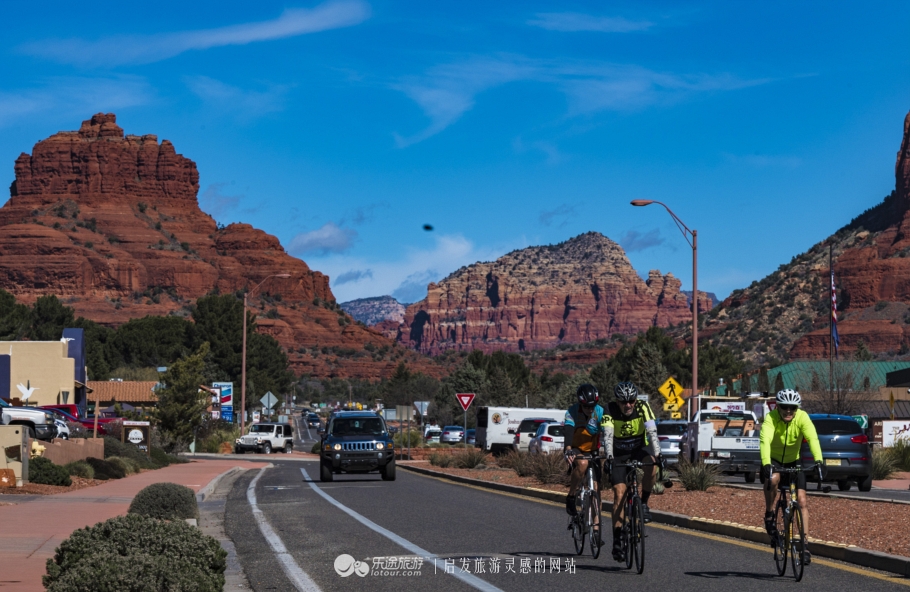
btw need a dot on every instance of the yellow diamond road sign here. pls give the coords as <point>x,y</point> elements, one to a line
<point>670,389</point>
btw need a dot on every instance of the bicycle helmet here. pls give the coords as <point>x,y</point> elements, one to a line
<point>789,397</point>
<point>625,391</point>
<point>587,394</point>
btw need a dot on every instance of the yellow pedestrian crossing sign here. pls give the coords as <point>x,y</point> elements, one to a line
<point>670,389</point>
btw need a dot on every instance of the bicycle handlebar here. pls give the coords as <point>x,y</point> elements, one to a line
<point>797,470</point>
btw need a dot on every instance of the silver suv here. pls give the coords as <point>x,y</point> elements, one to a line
<point>266,437</point>
<point>670,432</point>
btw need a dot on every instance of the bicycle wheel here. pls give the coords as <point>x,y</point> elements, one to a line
<point>578,530</point>
<point>780,539</point>
<point>594,518</point>
<point>797,542</point>
<point>638,535</point>
<point>628,535</point>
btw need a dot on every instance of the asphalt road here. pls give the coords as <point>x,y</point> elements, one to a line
<point>473,527</point>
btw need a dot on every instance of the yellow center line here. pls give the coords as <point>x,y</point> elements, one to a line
<point>894,579</point>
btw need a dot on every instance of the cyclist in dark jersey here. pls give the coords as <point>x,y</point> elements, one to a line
<point>629,431</point>
<point>581,436</point>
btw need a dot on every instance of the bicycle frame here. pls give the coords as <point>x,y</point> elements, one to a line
<point>583,523</point>
<point>790,537</point>
<point>633,525</point>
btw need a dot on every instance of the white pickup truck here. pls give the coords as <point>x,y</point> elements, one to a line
<point>40,424</point>
<point>726,439</point>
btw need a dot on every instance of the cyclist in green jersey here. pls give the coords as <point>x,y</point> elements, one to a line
<point>782,434</point>
<point>629,431</point>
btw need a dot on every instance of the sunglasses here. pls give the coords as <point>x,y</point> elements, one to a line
<point>787,408</point>
<point>627,402</point>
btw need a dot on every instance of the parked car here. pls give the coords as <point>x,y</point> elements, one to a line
<point>549,438</point>
<point>527,429</point>
<point>432,436</point>
<point>39,423</point>
<point>452,435</point>
<point>471,437</point>
<point>357,442</point>
<point>845,450</point>
<point>266,437</point>
<point>63,430</point>
<point>89,424</point>
<point>670,433</point>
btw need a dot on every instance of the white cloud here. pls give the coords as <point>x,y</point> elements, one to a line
<point>408,275</point>
<point>447,92</point>
<point>231,99</point>
<point>330,238</point>
<point>633,240</point>
<point>355,275</point>
<point>574,21</point>
<point>144,49</point>
<point>75,96</point>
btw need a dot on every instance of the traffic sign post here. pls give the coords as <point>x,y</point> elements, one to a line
<point>465,400</point>
<point>862,420</point>
<point>268,401</point>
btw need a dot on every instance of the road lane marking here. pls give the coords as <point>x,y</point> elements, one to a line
<point>896,579</point>
<point>298,577</point>
<point>466,577</point>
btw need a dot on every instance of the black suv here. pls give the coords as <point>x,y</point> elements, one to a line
<point>356,442</point>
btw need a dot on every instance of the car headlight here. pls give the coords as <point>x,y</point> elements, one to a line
<point>237,441</point>
<point>258,440</point>
<point>380,446</point>
<point>337,447</point>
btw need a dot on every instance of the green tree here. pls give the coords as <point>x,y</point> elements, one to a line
<point>154,341</point>
<point>648,371</point>
<point>746,383</point>
<point>49,318</point>
<point>500,390</point>
<point>862,353</point>
<point>779,382</point>
<point>764,385</point>
<point>604,376</point>
<point>180,404</point>
<point>15,319</point>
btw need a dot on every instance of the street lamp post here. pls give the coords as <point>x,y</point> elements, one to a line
<point>693,242</point>
<point>243,355</point>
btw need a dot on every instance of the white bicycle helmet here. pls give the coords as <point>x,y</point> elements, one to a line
<point>789,397</point>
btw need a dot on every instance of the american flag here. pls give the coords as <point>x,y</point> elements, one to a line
<point>834,337</point>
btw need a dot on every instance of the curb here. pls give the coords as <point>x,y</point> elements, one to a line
<point>208,489</point>
<point>830,550</point>
<point>814,493</point>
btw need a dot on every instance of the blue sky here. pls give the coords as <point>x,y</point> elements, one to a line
<point>343,127</point>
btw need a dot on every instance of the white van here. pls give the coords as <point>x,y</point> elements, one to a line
<point>496,425</point>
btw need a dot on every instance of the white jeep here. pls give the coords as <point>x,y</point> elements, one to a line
<point>266,437</point>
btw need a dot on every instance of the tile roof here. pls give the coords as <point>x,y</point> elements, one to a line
<point>122,392</point>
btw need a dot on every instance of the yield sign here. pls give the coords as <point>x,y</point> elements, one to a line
<point>465,399</point>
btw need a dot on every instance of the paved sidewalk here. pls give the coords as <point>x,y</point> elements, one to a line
<point>31,530</point>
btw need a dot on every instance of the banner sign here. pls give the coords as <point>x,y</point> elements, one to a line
<point>227,392</point>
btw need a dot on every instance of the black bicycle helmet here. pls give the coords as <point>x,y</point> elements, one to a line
<point>587,394</point>
<point>625,391</point>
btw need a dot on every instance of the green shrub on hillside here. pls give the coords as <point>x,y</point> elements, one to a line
<point>136,552</point>
<point>105,470</point>
<point>114,447</point>
<point>165,501</point>
<point>45,472</point>
<point>80,468</point>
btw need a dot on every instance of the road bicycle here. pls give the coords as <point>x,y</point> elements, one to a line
<point>586,522</point>
<point>633,535</point>
<point>789,537</point>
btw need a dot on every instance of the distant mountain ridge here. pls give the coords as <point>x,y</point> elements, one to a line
<point>372,311</point>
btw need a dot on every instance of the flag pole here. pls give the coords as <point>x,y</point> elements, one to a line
<point>831,321</point>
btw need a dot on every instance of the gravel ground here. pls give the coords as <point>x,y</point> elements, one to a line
<point>878,526</point>
<point>39,489</point>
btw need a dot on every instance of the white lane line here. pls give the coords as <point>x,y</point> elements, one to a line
<point>466,577</point>
<point>298,577</point>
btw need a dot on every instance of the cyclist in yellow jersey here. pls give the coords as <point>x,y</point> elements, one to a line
<point>782,434</point>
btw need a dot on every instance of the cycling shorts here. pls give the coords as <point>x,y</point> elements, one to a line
<point>618,476</point>
<point>598,465</point>
<point>785,477</point>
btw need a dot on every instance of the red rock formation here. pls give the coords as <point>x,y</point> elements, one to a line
<point>578,291</point>
<point>111,224</point>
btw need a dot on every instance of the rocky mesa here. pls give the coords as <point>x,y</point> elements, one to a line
<point>577,291</point>
<point>110,223</point>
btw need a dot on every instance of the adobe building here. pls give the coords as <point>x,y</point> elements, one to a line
<point>44,372</point>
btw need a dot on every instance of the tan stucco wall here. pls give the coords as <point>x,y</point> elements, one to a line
<point>41,364</point>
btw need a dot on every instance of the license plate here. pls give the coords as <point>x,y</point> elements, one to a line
<point>723,455</point>
<point>712,461</point>
<point>832,461</point>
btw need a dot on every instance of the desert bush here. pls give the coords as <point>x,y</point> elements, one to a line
<point>518,461</point>
<point>440,459</point>
<point>165,501</point>
<point>470,458</point>
<point>120,449</point>
<point>212,442</point>
<point>80,468</point>
<point>105,470</point>
<point>401,439</point>
<point>884,463</point>
<point>315,448</point>
<point>45,472</point>
<point>900,452</point>
<point>549,468</point>
<point>77,430</point>
<point>136,552</point>
<point>162,459</point>
<point>127,465</point>
<point>698,476</point>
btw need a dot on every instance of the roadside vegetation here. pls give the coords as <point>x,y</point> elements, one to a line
<point>698,476</point>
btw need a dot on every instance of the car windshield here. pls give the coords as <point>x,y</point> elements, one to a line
<point>452,428</point>
<point>434,433</point>
<point>528,425</point>
<point>831,427</point>
<point>671,429</point>
<point>357,426</point>
<point>261,429</point>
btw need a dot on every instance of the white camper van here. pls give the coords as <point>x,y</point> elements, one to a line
<point>496,425</point>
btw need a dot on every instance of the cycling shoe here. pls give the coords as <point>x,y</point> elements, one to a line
<point>646,513</point>
<point>807,557</point>
<point>570,505</point>
<point>617,552</point>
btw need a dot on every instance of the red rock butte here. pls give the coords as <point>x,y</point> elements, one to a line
<point>110,223</point>
<point>577,291</point>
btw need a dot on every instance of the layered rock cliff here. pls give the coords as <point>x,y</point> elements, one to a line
<point>373,311</point>
<point>577,291</point>
<point>110,223</point>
